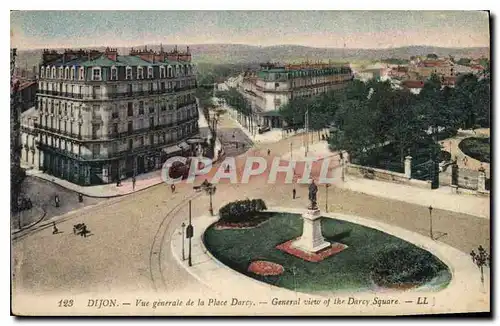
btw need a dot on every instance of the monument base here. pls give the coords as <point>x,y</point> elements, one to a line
<point>312,239</point>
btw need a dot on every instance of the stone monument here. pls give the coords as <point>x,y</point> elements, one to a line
<point>312,239</point>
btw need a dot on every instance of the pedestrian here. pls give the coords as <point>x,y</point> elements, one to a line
<point>172,187</point>
<point>465,160</point>
<point>118,182</point>
<point>268,152</point>
<point>84,231</point>
<point>236,145</point>
<point>56,200</point>
<point>55,230</point>
<point>294,192</point>
<point>133,183</point>
<point>80,198</point>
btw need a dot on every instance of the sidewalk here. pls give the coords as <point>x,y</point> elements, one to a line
<point>143,181</point>
<point>318,151</point>
<point>440,198</point>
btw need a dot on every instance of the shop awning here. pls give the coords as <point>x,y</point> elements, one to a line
<point>195,141</point>
<point>184,146</point>
<point>172,149</point>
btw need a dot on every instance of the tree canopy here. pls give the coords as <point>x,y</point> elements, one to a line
<point>368,115</point>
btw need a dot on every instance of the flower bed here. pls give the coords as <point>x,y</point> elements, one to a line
<point>265,268</point>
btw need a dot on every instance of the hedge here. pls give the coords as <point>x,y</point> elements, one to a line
<point>242,210</point>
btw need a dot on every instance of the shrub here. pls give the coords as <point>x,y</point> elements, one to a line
<point>242,210</point>
<point>405,266</point>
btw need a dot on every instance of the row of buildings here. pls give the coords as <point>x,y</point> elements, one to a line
<point>274,85</point>
<point>413,75</point>
<point>100,116</point>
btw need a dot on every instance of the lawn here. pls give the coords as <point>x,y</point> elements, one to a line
<point>347,270</point>
<point>477,148</point>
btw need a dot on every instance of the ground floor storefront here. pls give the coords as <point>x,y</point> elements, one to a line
<point>96,172</point>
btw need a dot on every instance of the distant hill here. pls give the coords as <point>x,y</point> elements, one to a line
<point>239,53</point>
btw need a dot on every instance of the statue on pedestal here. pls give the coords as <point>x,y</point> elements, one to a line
<point>313,190</point>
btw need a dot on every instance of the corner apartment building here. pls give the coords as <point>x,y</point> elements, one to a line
<point>104,116</point>
<point>274,85</point>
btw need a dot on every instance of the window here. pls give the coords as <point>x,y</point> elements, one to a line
<point>66,73</point>
<point>162,72</point>
<point>81,74</point>
<point>151,108</point>
<point>130,109</point>
<point>73,72</point>
<point>141,141</point>
<point>95,127</point>
<point>151,139</point>
<point>114,73</point>
<point>114,113</point>
<point>163,106</point>
<point>152,122</point>
<point>130,127</point>
<point>96,149</point>
<point>141,107</point>
<point>96,73</point>
<point>113,90</point>
<point>60,73</point>
<point>162,86</point>
<point>150,72</point>
<point>150,88</point>
<point>53,76</point>
<point>115,129</point>
<point>130,144</point>
<point>128,73</point>
<point>96,92</point>
<point>129,89</point>
<point>140,73</point>
<point>169,71</point>
<point>42,72</point>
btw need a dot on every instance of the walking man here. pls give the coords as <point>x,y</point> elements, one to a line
<point>268,152</point>
<point>172,187</point>
<point>80,198</point>
<point>84,231</point>
<point>133,183</point>
<point>294,192</point>
<point>54,230</point>
<point>56,200</point>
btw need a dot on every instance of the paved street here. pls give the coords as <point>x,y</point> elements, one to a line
<point>233,139</point>
<point>42,194</point>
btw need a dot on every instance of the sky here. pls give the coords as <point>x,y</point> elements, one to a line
<point>355,29</point>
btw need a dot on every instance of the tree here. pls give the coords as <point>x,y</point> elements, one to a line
<point>432,56</point>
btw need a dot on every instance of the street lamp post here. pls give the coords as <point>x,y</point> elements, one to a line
<point>481,259</point>
<point>183,225</point>
<point>211,191</point>
<point>326,202</point>
<point>189,235</point>
<point>430,222</point>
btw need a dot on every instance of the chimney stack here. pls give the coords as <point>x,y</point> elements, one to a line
<point>111,54</point>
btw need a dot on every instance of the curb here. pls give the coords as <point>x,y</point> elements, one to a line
<point>32,224</point>
<point>96,196</point>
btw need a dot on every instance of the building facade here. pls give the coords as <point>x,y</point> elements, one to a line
<point>104,116</point>
<point>274,85</point>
